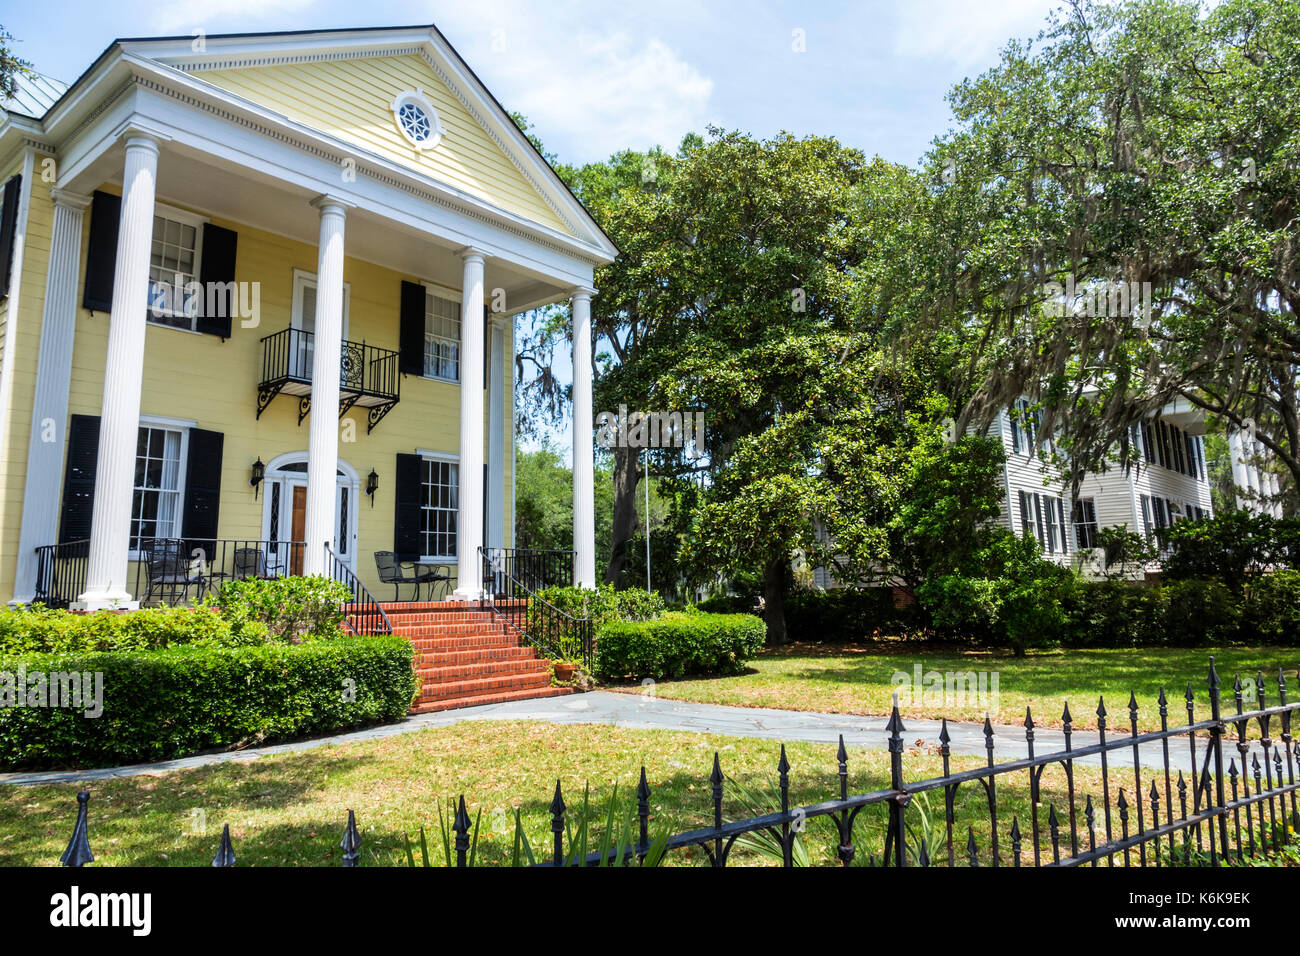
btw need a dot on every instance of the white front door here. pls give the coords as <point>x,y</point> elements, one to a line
<point>284,516</point>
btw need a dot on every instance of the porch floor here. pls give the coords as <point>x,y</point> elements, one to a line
<point>466,655</point>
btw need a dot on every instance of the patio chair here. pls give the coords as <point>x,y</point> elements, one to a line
<point>170,571</point>
<point>249,563</point>
<point>391,571</point>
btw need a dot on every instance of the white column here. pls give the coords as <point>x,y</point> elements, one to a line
<point>323,433</point>
<point>584,479</point>
<point>110,526</point>
<point>469,518</point>
<point>496,434</point>
<point>47,440</point>
<point>1237,458</point>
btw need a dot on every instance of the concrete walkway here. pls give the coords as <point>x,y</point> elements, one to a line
<point>642,712</point>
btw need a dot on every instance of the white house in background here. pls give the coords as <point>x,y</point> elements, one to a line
<point>1036,499</point>
<point>1169,483</point>
<point>1258,488</point>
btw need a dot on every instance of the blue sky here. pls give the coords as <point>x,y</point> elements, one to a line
<point>598,76</point>
<point>595,77</point>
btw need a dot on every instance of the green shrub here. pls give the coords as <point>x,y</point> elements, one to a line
<point>1114,614</point>
<point>1272,610</point>
<point>163,704</point>
<point>41,629</point>
<point>1231,547</point>
<point>845,614</point>
<point>1200,612</point>
<point>729,604</point>
<point>678,644</point>
<point>605,603</point>
<point>288,609</point>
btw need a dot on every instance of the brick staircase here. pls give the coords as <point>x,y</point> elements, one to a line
<point>466,655</point>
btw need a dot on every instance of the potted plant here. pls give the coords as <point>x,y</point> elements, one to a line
<point>565,670</point>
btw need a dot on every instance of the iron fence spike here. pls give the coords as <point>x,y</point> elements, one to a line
<point>1162,700</point>
<point>1232,769</point>
<point>842,755</point>
<point>1101,707</point>
<point>1029,719</point>
<point>895,725</point>
<point>643,788</point>
<point>461,821</point>
<point>783,765</point>
<point>1189,692</point>
<point>1132,703</point>
<point>1051,816</point>
<point>1214,675</point>
<point>715,777</point>
<point>557,802</point>
<point>78,852</point>
<point>1065,715</point>
<point>1236,684</point>
<point>943,732</point>
<point>351,844</point>
<point>225,852</point>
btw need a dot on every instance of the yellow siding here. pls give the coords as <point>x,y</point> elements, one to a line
<point>214,384</point>
<point>13,456</point>
<point>351,99</point>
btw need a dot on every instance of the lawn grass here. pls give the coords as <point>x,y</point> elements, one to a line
<point>289,809</point>
<point>856,679</point>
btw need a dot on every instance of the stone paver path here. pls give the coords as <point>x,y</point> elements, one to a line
<point>642,712</point>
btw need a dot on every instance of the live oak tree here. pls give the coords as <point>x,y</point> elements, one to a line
<point>1136,143</point>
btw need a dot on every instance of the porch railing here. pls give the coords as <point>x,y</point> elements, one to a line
<point>369,376</point>
<point>363,615</point>
<point>511,579</point>
<point>177,571</point>
<point>61,573</point>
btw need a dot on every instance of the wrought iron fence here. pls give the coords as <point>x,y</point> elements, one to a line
<point>61,573</point>
<point>511,579</point>
<point>363,614</point>
<point>1135,825</point>
<point>176,571</point>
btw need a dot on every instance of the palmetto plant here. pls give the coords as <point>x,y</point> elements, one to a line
<point>760,800</point>
<point>608,835</point>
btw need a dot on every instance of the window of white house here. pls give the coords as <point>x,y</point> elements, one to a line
<point>441,338</point>
<point>416,119</point>
<point>173,265</point>
<point>1085,524</point>
<point>156,506</point>
<point>441,501</point>
<point>1043,517</point>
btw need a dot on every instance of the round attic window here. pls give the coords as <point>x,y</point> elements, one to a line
<point>416,119</point>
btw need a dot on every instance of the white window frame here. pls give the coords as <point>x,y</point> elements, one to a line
<point>417,98</point>
<point>444,458</point>
<point>182,426</point>
<point>301,279</point>
<point>450,296</point>
<point>163,211</point>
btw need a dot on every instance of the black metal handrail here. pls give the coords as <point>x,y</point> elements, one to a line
<point>61,573</point>
<point>511,579</point>
<point>364,615</point>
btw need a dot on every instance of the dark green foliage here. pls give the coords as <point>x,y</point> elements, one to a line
<point>1231,547</point>
<point>163,704</point>
<point>1272,610</point>
<point>1113,614</point>
<point>846,614</point>
<point>38,629</point>
<point>678,644</point>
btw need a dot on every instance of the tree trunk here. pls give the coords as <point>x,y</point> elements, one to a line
<point>774,601</point>
<point>626,473</point>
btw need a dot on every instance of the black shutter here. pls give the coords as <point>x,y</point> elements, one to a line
<point>411,335</point>
<point>217,273</point>
<point>79,478</point>
<point>407,544</point>
<point>202,491</point>
<point>101,257</point>
<point>8,226</point>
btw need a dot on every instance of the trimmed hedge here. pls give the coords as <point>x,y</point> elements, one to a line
<point>163,704</point>
<point>44,630</point>
<point>678,644</point>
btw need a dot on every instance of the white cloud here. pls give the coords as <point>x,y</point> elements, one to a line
<point>964,32</point>
<point>589,91</point>
<point>188,16</point>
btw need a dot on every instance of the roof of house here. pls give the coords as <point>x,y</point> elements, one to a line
<point>42,95</point>
<point>36,93</point>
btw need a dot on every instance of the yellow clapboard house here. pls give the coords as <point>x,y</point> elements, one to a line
<point>258,312</point>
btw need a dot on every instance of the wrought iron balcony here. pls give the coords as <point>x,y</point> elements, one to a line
<point>368,375</point>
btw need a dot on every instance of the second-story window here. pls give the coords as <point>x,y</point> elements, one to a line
<point>441,338</point>
<point>173,265</point>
